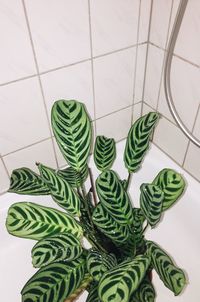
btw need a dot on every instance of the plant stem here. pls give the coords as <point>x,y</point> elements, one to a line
<point>128,180</point>
<point>93,187</point>
<point>145,228</point>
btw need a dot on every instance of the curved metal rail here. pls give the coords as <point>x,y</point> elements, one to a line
<point>167,72</point>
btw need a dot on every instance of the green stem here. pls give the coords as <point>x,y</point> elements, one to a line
<point>93,187</point>
<point>128,180</point>
<point>145,228</point>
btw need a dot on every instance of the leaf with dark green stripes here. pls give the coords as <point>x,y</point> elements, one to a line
<point>137,142</point>
<point>151,199</point>
<point>172,276</point>
<point>72,129</point>
<point>144,293</point>
<point>138,220</point>
<point>54,282</point>
<point>104,221</point>
<point>119,283</point>
<point>63,246</point>
<point>84,284</point>
<point>74,178</point>
<point>98,263</point>
<point>104,152</point>
<point>93,294</point>
<point>61,191</point>
<point>114,198</point>
<point>25,181</point>
<point>172,184</point>
<point>30,220</point>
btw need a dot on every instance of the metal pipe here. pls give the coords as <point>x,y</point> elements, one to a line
<point>167,71</point>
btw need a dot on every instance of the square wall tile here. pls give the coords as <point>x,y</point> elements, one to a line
<point>115,125</point>
<point>140,72</point>
<point>145,8</point>
<point>163,105</point>
<point>114,24</point>
<point>196,131</point>
<point>16,58</point>
<point>63,38</point>
<point>171,140</point>
<point>160,22</point>
<point>23,119</point>
<point>70,83</point>
<point>4,179</point>
<point>113,81</point>
<point>153,75</point>
<point>42,152</point>
<point>192,162</point>
<point>185,79</point>
<point>136,111</point>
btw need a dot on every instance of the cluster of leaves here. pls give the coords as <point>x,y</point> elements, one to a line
<point>118,266</point>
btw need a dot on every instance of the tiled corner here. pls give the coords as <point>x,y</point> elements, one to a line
<point>42,152</point>
<point>140,72</point>
<point>23,119</point>
<point>4,179</point>
<point>153,75</point>
<point>16,58</point>
<point>137,108</point>
<point>114,24</point>
<point>192,162</point>
<point>60,31</point>
<point>160,22</point>
<point>163,105</point>
<point>145,9</point>
<point>171,140</point>
<point>70,83</point>
<point>115,125</point>
<point>196,131</point>
<point>113,81</point>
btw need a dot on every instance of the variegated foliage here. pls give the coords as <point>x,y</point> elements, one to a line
<point>104,152</point>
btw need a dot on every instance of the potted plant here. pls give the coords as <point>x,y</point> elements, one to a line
<point>118,266</point>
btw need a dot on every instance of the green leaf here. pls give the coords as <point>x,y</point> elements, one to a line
<point>25,181</point>
<point>104,152</point>
<point>172,276</point>
<point>72,129</point>
<point>61,191</point>
<point>104,221</point>
<point>98,263</point>
<point>63,246</point>
<point>151,203</point>
<point>93,294</point>
<point>74,178</point>
<point>144,293</point>
<point>137,142</point>
<point>172,184</point>
<point>114,198</point>
<point>84,284</point>
<point>30,220</point>
<point>54,282</point>
<point>138,220</point>
<point>119,283</point>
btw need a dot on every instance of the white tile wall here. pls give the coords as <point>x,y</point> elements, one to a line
<point>140,72</point>
<point>145,9</point>
<point>4,180</point>
<point>114,24</point>
<point>60,31</point>
<point>114,78</point>
<point>192,162</point>
<point>16,59</point>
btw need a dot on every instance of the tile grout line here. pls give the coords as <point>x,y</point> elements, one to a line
<point>92,66</point>
<point>113,112</point>
<point>147,53</point>
<point>39,79</point>
<point>136,57</point>
<point>7,172</point>
<point>195,120</point>
<point>165,54</point>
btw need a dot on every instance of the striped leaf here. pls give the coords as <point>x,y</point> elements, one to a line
<point>144,293</point>
<point>54,282</point>
<point>114,198</point>
<point>72,130</point>
<point>74,178</point>
<point>25,181</point>
<point>172,276</point>
<point>104,221</point>
<point>151,199</point>
<point>98,263</point>
<point>119,283</point>
<point>104,152</point>
<point>63,246</point>
<point>93,294</point>
<point>138,220</point>
<point>172,184</point>
<point>30,220</point>
<point>84,284</point>
<point>61,191</point>
<point>137,142</point>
